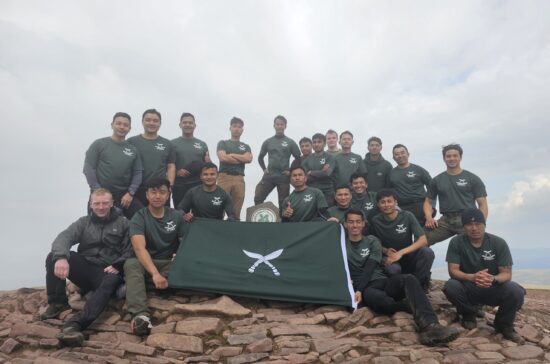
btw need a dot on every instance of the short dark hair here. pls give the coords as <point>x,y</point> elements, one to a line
<point>236,120</point>
<point>297,167</point>
<point>121,114</point>
<point>331,131</point>
<point>347,187</point>
<point>386,192</point>
<point>346,132</point>
<point>357,212</point>
<point>157,182</point>
<point>357,175</point>
<point>151,111</point>
<point>453,146</point>
<point>305,140</point>
<point>187,115</point>
<point>208,165</point>
<point>374,139</point>
<point>319,136</point>
<point>279,117</point>
<point>399,146</point>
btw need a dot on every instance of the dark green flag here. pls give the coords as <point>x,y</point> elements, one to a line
<point>303,262</point>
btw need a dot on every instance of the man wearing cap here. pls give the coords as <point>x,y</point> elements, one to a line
<point>480,266</point>
<point>457,190</point>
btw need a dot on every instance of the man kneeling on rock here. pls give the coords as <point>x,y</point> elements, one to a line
<point>103,245</point>
<point>382,294</point>
<point>480,266</point>
<point>155,232</point>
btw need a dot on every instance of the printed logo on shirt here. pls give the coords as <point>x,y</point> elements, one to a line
<point>160,146</point>
<point>242,147</point>
<point>115,230</point>
<point>401,228</point>
<point>170,226</point>
<point>369,205</point>
<point>217,201</point>
<point>411,174</point>
<point>128,152</point>
<point>284,144</point>
<point>322,161</point>
<point>364,252</point>
<point>488,255</point>
<point>308,198</point>
<point>353,160</point>
<point>461,182</point>
<point>379,174</point>
<point>197,145</point>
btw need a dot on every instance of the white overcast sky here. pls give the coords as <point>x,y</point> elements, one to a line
<point>421,73</point>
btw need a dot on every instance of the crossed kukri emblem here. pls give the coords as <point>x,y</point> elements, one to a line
<point>264,259</point>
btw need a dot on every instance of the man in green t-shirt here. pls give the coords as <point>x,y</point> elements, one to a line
<point>331,137</point>
<point>480,266</point>
<point>404,241</point>
<point>457,190</point>
<point>306,148</point>
<point>207,200</point>
<point>363,199</point>
<point>385,295</point>
<point>114,164</point>
<point>157,154</point>
<point>319,167</point>
<point>378,169</point>
<point>346,163</point>
<point>191,154</point>
<point>342,196</point>
<point>155,232</point>
<point>278,148</point>
<point>410,182</point>
<point>304,203</point>
<point>233,155</point>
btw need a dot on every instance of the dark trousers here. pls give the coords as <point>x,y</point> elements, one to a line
<point>466,296</point>
<point>418,263</point>
<point>417,209</point>
<point>178,191</point>
<point>87,276</point>
<point>383,296</point>
<point>267,184</point>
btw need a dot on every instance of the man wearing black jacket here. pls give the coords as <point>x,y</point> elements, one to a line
<point>103,247</point>
<point>385,295</point>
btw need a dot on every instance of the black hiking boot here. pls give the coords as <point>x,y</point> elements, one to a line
<point>53,310</point>
<point>71,335</point>
<point>436,334</point>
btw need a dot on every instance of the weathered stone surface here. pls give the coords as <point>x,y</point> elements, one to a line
<point>244,322</point>
<point>418,355</point>
<point>246,338</point>
<point>303,359</point>
<point>488,347</point>
<point>50,360</point>
<point>164,328</point>
<point>225,351</point>
<point>529,332</point>
<point>199,359</point>
<point>523,352</point>
<point>363,331</point>
<point>260,346</point>
<point>33,330</point>
<point>545,342</point>
<point>149,360</point>
<point>324,345</point>
<point>176,342</point>
<point>317,319</point>
<point>161,304</point>
<point>9,346</point>
<point>103,352</point>
<point>409,337</point>
<point>137,348</point>
<point>489,355</point>
<point>358,317</point>
<point>199,326</point>
<point>246,358</point>
<point>387,360</point>
<point>314,331</point>
<point>460,358</point>
<point>48,343</point>
<point>334,316</point>
<point>219,306</point>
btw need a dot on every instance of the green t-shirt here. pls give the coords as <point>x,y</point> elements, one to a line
<point>368,248</point>
<point>188,150</point>
<point>155,155</point>
<point>210,205</point>
<point>399,233</point>
<point>492,253</point>
<point>316,162</point>
<point>115,163</point>
<point>162,236</point>
<point>338,213</point>
<point>378,173</point>
<point>233,147</point>
<point>279,150</point>
<point>344,166</point>
<point>305,204</point>
<point>456,193</point>
<point>367,203</point>
<point>409,183</point>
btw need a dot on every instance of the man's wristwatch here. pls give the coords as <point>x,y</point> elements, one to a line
<point>495,280</point>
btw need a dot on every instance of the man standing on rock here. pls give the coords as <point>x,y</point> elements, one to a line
<point>384,295</point>
<point>155,232</point>
<point>319,167</point>
<point>103,245</point>
<point>480,266</point>
<point>378,169</point>
<point>304,203</point>
<point>346,163</point>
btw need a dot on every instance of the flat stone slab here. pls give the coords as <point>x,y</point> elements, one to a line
<point>314,331</point>
<point>220,306</point>
<point>176,342</point>
<point>34,331</point>
<point>246,358</point>
<point>246,338</point>
<point>199,326</point>
<point>522,352</point>
<point>324,345</point>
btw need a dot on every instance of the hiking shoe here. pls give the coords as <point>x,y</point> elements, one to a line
<point>71,335</point>
<point>510,334</point>
<point>435,334</point>
<point>469,322</point>
<point>53,310</point>
<point>479,312</point>
<point>141,325</point>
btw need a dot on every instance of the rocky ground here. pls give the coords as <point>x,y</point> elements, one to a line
<point>200,328</point>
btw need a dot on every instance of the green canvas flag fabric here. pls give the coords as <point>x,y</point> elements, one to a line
<point>300,262</point>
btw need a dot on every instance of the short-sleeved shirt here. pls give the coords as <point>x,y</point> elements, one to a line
<point>456,193</point>
<point>305,204</point>
<point>115,163</point>
<point>155,155</point>
<point>162,236</point>
<point>398,233</point>
<point>492,253</point>
<point>344,166</point>
<point>358,252</point>
<point>210,205</point>
<point>378,173</point>
<point>366,203</point>
<point>233,147</point>
<point>279,150</point>
<point>316,162</point>
<point>338,212</point>
<point>188,150</point>
<point>409,183</point>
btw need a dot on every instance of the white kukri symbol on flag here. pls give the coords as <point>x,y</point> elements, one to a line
<point>261,259</point>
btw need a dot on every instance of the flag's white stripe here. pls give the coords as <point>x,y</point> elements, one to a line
<point>348,276</point>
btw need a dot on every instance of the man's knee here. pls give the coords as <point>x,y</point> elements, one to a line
<point>112,281</point>
<point>393,269</point>
<point>452,288</point>
<point>513,293</point>
<point>133,266</point>
<point>49,261</point>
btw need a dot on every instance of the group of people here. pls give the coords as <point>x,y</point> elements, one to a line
<point>131,234</point>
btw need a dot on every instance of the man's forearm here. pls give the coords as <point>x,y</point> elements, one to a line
<point>145,259</point>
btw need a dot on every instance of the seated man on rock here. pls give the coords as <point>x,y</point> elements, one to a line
<point>155,233</point>
<point>480,266</point>
<point>382,294</point>
<point>103,245</point>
